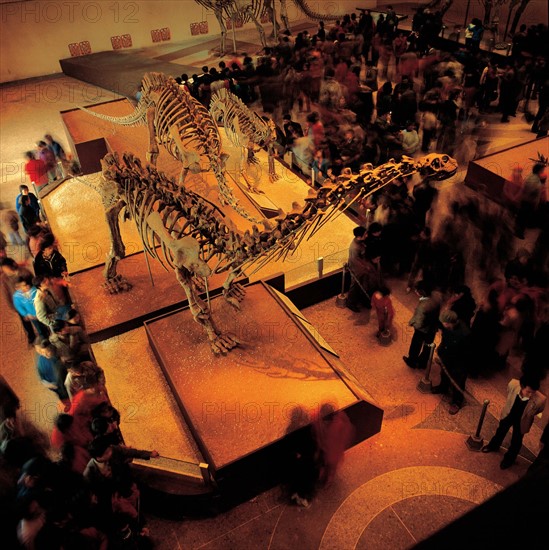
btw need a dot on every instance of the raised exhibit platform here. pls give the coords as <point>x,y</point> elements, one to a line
<point>245,409</point>
<point>490,175</point>
<point>107,315</point>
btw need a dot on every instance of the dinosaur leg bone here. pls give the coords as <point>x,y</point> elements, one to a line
<point>115,283</point>
<point>220,343</point>
<point>233,292</point>
<point>152,153</point>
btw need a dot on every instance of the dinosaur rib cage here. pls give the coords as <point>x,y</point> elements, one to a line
<point>186,214</point>
<point>240,123</point>
<point>176,108</point>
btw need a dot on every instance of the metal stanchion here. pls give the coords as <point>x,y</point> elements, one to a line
<point>425,384</point>
<point>320,266</point>
<point>342,299</point>
<point>475,442</point>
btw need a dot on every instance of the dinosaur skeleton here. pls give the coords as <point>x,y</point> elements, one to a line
<point>189,235</point>
<point>253,10</point>
<point>244,128</point>
<point>236,10</point>
<point>176,120</point>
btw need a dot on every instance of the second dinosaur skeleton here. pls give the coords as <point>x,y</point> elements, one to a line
<point>188,234</point>
<point>243,127</point>
<point>176,120</point>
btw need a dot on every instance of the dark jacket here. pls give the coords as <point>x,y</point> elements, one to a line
<point>54,266</point>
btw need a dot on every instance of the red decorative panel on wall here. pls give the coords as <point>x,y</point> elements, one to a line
<point>126,40</point>
<point>204,27</point>
<point>156,36</point>
<point>229,24</point>
<point>74,48</point>
<point>85,47</point>
<point>239,23</point>
<point>264,17</point>
<point>116,42</point>
<point>165,33</point>
<point>195,29</point>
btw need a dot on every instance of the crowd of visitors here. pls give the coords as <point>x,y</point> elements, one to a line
<point>434,100</point>
<point>77,490</point>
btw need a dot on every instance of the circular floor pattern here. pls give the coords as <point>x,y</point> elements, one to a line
<point>348,527</point>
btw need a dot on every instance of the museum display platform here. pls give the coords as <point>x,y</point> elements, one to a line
<point>491,174</point>
<point>248,408</point>
<point>127,310</point>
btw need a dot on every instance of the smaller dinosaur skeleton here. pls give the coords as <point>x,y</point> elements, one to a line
<point>244,128</point>
<point>176,120</point>
<point>243,10</point>
<point>189,235</point>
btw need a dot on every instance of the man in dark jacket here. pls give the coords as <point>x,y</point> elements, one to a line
<point>453,352</point>
<point>425,324</point>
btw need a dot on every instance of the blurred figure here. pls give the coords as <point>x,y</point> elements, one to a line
<point>10,222</point>
<point>302,465</point>
<point>385,312</point>
<point>333,433</point>
<point>453,351</point>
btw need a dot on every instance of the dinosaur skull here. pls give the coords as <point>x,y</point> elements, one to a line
<point>438,167</point>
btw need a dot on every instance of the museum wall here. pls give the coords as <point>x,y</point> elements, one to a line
<point>35,35</point>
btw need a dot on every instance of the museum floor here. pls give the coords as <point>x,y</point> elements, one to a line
<point>392,490</point>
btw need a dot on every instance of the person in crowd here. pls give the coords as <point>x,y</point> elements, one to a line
<point>3,245</point>
<point>321,166</point>
<point>66,433</point>
<point>34,204</point>
<point>517,316</point>
<point>48,307</point>
<point>51,370</point>
<point>36,236</point>
<point>49,262</point>
<point>541,463</point>
<point>82,376</point>
<point>10,221</point>
<point>524,402</point>
<point>36,169</point>
<point>23,301</point>
<point>356,264</point>
<point>453,352</point>
<point>292,130</point>
<point>385,311</point>
<point>333,432</point>
<point>473,35</point>
<point>422,259</point>
<point>425,325</point>
<point>9,402</point>
<point>462,303</point>
<point>27,214</point>
<point>11,273</point>
<point>531,199</point>
<point>70,342</point>
<point>485,332</point>
<point>107,463</point>
<point>48,158</point>
<point>59,153</point>
<point>410,140</point>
